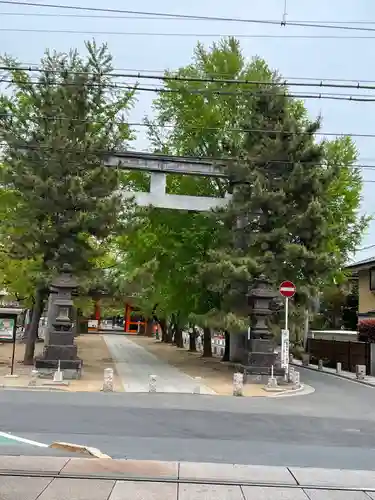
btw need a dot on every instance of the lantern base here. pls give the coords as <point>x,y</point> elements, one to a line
<point>72,368</point>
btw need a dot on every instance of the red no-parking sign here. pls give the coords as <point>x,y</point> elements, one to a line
<point>287,289</point>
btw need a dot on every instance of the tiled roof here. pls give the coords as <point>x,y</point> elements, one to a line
<point>370,260</point>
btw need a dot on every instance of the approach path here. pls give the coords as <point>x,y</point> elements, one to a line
<point>135,364</point>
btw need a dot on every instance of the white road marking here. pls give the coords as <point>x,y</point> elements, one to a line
<point>23,440</point>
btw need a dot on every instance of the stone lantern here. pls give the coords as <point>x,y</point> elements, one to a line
<point>261,355</point>
<point>59,341</point>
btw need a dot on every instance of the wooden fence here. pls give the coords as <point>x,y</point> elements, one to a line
<point>349,354</point>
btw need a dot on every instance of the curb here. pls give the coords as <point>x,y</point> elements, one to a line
<point>337,375</point>
<point>77,448</point>
<point>303,390</point>
<point>30,388</point>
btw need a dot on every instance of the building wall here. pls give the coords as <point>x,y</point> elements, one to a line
<point>366,297</point>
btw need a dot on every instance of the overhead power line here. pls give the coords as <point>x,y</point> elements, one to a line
<point>28,66</point>
<point>197,127</point>
<point>365,248</point>
<point>161,18</point>
<point>185,16</point>
<point>360,98</point>
<point>184,35</point>
<point>230,81</point>
<point>206,159</point>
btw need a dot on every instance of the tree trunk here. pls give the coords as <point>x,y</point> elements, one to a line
<point>172,329</point>
<point>163,328</point>
<point>207,344</point>
<point>192,340</point>
<point>170,332</point>
<point>226,355</point>
<point>32,331</point>
<point>178,337</point>
<point>149,327</point>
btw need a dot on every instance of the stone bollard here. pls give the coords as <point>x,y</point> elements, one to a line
<point>305,359</point>
<point>296,381</point>
<point>291,358</point>
<point>152,383</point>
<point>320,365</point>
<point>238,384</point>
<point>338,367</point>
<point>197,387</point>
<point>360,371</point>
<point>108,380</point>
<point>291,374</point>
<point>34,377</point>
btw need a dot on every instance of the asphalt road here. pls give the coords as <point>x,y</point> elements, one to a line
<point>333,427</point>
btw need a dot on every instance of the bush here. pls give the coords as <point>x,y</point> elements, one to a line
<point>366,330</point>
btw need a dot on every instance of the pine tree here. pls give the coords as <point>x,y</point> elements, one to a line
<point>281,210</point>
<point>55,126</point>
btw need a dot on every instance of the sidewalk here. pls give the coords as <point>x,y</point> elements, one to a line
<point>134,364</point>
<point>52,478</point>
<point>370,381</point>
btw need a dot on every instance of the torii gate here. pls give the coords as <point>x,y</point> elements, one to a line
<point>159,167</point>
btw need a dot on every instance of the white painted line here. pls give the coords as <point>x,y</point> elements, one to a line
<point>22,440</point>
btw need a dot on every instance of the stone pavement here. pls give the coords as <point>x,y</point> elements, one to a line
<point>59,478</point>
<point>134,365</point>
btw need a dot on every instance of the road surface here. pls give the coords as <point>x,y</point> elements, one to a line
<point>333,427</point>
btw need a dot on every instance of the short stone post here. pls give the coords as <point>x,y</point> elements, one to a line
<point>320,365</point>
<point>291,374</point>
<point>152,383</point>
<point>338,367</point>
<point>238,384</point>
<point>197,387</point>
<point>108,380</point>
<point>360,371</point>
<point>296,381</point>
<point>305,359</point>
<point>34,377</point>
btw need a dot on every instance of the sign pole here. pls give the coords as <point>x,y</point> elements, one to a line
<point>14,344</point>
<point>287,290</point>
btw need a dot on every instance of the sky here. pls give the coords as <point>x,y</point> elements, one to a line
<point>345,57</point>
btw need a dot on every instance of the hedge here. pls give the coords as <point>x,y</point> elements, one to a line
<point>366,330</point>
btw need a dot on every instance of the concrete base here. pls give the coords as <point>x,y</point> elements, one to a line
<point>48,373</point>
<point>72,368</point>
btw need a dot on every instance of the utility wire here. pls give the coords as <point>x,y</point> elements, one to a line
<point>230,81</point>
<point>365,248</point>
<point>30,67</point>
<point>206,91</point>
<point>197,127</point>
<point>184,16</point>
<point>206,159</point>
<point>161,18</point>
<point>183,35</point>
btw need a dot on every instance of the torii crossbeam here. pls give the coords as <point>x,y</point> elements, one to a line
<point>159,166</point>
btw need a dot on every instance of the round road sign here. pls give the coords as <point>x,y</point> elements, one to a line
<point>287,289</point>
